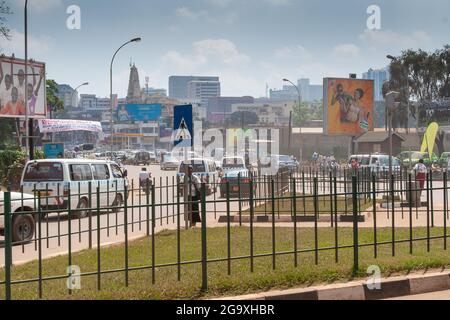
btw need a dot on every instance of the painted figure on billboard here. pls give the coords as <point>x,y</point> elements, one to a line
<point>14,97</point>
<point>350,106</point>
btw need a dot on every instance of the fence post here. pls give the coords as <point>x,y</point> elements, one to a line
<point>204,247</point>
<point>8,245</point>
<point>355,226</point>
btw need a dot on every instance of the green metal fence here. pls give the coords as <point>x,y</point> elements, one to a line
<point>307,199</point>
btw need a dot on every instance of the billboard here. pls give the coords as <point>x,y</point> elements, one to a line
<point>14,97</point>
<point>183,126</point>
<point>348,106</point>
<point>129,113</point>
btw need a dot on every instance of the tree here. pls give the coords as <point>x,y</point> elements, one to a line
<point>53,101</point>
<point>4,30</point>
<point>307,111</point>
<point>419,77</point>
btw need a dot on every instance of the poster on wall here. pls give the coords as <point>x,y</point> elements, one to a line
<point>14,97</point>
<point>348,106</point>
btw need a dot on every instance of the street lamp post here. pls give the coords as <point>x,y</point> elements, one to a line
<point>290,117</point>
<point>29,146</point>
<point>111,90</point>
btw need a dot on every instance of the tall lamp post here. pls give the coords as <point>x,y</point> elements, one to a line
<point>290,116</point>
<point>29,146</point>
<point>111,90</point>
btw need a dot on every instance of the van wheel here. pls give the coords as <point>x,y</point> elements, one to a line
<point>23,227</point>
<point>82,209</point>
<point>117,203</point>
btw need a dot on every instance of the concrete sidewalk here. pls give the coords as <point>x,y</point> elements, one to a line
<point>406,286</point>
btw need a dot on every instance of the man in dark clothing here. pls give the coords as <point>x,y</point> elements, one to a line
<point>193,183</point>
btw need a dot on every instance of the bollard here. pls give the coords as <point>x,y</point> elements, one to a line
<point>204,239</point>
<point>8,245</point>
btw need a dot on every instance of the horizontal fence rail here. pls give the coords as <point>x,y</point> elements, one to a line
<point>300,201</point>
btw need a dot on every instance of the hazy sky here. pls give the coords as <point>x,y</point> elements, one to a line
<point>248,43</point>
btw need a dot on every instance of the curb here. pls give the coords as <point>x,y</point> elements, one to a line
<point>390,288</point>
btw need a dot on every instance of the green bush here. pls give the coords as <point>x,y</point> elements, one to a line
<point>12,162</point>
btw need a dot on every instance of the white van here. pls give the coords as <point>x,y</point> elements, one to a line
<point>53,179</point>
<point>205,169</point>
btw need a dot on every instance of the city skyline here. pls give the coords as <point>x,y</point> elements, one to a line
<point>225,38</point>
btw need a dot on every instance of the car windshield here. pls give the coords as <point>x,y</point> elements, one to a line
<point>198,167</point>
<point>285,158</point>
<point>44,171</point>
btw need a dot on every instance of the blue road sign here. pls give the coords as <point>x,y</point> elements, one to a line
<point>54,150</point>
<point>183,127</point>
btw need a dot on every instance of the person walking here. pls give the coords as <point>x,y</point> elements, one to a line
<point>193,183</point>
<point>144,179</point>
<point>420,171</point>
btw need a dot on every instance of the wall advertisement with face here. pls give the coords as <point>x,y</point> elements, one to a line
<point>348,106</point>
<point>14,97</point>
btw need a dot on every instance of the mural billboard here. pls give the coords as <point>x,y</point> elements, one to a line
<point>348,106</point>
<point>129,113</point>
<point>14,97</point>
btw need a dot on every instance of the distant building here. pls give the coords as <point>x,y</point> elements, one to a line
<point>315,93</point>
<point>379,76</point>
<point>90,103</point>
<point>274,113</point>
<point>134,95</point>
<point>219,108</point>
<point>152,92</point>
<point>179,85</point>
<point>308,92</point>
<point>68,95</point>
<point>287,93</point>
<point>203,90</point>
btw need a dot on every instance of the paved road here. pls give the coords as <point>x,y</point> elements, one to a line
<point>54,229</point>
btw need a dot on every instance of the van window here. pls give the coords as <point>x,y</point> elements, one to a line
<point>80,172</point>
<point>198,166</point>
<point>116,172</point>
<point>100,171</point>
<point>44,171</point>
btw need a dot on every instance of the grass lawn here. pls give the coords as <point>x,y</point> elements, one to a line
<point>305,206</point>
<point>241,280</point>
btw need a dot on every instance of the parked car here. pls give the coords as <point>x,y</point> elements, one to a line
<point>55,180</point>
<point>289,162</point>
<point>142,158</point>
<point>379,164</point>
<point>22,224</point>
<point>363,160</point>
<point>169,162</point>
<point>205,169</point>
<point>411,158</point>
<point>444,159</point>
<point>235,178</point>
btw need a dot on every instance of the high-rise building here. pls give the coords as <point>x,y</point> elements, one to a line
<point>315,92</point>
<point>304,86</point>
<point>379,76</point>
<point>68,95</point>
<point>203,90</point>
<point>179,85</point>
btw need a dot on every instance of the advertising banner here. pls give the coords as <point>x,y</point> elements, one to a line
<point>129,113</point>
<point>14,97</point>
<point>348,106</point>
<point>56,125</point>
